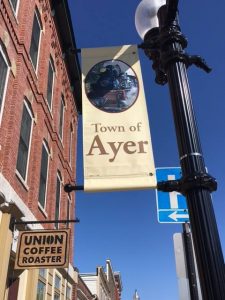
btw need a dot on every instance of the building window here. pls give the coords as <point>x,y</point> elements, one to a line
<point>68,293</point>
<point>25,140</point>
<point>71,144</point>
<point>56,296</point>
<point>35,39</point>
<point>43,175</point>
<point>61,117</point>
<point>57,287</point>
<point>58,195</point>
<point>50,82</point>
<point>41,286</point>
<point>4,74</point>
<point>14,4</point>
<point>40,290</point>
<point>43,273</point>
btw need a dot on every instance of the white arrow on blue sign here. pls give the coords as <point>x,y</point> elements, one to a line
<point>171,207</point>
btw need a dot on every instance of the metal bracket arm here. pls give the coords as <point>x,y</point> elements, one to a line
<point>14,222</point>
<point>198,180</point>
<point>69,188</point>
<point>169,186</point>
<point>198,61</point>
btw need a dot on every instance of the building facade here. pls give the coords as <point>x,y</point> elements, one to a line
<point>104,284</point>
<point>39,103</point>
<point>81,291</point>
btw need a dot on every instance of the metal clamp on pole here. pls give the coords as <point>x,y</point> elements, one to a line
<point>193,181</point>
<point>198,180</point>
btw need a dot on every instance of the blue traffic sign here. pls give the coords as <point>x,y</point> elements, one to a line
<point>171,207</point>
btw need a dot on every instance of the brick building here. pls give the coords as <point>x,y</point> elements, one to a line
<point>104,284</point>
<point>82,292</point>
<point>39,103</point>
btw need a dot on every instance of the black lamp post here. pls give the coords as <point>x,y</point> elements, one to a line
<point>164,44</point>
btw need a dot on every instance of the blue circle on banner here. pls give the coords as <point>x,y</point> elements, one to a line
<point>112,86</point>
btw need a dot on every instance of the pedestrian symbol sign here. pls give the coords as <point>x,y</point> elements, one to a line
<point>171,207</point>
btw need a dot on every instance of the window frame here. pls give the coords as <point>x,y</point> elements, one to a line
<point>68,286</point>
<point>57,290</point>
<point>58,180</point>
<point>49,101</point>
<point>68,209</point>
<point>28,107</point>
<point>61,116</point>
<point>44,145</point>
<point>43,276</point>
<point>44,290</point>
<point>38,17</point>
<point>70,143</point>
<point>43,280</point>
<point>6,60</point>
<point>15,9</point>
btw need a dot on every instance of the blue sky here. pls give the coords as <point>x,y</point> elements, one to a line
<point>123,226</point>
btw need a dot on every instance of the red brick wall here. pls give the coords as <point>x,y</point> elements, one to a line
<point>15,34</point>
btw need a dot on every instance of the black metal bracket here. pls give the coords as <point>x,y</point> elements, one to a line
<point>45,222</point>
<point>158,41</point>
<point>198,61</point>
<point>69,188</point>
<point>194,181</point>
<point>189,60</point>
<point>14,222</point>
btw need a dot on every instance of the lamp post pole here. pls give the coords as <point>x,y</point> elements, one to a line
<point>165,46</point>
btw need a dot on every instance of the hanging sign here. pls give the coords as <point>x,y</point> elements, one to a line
<point>116,136</point>
<point>43,249</point>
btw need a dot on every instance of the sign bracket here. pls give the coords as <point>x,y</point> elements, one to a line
<point>182,185</point>
<point>44,222</point>
<point>69,188</point>
<point>13,222</point>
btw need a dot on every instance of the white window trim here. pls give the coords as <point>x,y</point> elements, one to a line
<point>39,204</point>
<point>15,11</point>
<point>70,144</point>
<point>6,82</point>
<point>67,284</point>
<point>53,285</point>
<point>51,61</point>
<point>29,149</point>
<point>60,192</point>
<point>45,281</point>
<point>39,45</point>
<point>40,280</point>
<point>63,112</point>
<point>22,180</point>
<point>69,201</point>
<point>42,210</point>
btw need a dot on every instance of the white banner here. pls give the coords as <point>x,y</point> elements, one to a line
<point>116,136</point>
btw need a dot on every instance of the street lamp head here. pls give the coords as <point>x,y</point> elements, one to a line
<point>146,15</point>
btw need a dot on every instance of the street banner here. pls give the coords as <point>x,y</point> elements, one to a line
<point>43,249</point>
<point>117,146</point>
